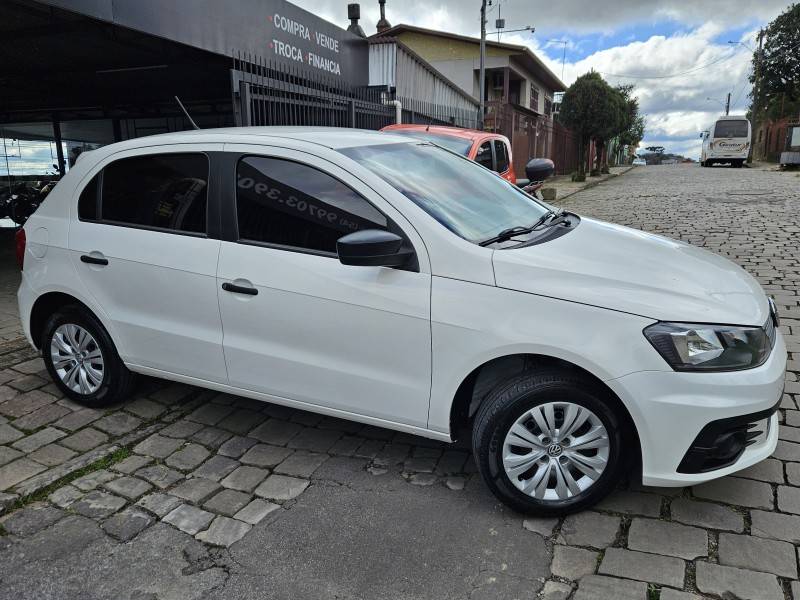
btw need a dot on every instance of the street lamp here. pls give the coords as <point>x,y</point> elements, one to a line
<point>499,31</point>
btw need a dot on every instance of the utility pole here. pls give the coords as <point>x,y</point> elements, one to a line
<point>757,90</point>
<point>728,105</point>
<point>482,77</point>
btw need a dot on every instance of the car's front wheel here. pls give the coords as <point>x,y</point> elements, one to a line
<point>82,360</point>
<point>548,443</point>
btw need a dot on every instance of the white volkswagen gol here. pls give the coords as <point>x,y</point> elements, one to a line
<point>386,280</point>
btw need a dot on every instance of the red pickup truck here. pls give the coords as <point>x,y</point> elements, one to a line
<point>491,150</point>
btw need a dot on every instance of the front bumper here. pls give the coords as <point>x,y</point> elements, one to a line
<point>670,409</point>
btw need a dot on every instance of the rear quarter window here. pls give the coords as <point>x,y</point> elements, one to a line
<point>88,202</point>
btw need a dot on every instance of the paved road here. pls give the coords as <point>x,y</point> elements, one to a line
<point>183,493</point>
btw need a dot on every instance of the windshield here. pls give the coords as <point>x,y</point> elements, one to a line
<point>457,145</point>
<point>730,129</point>
<point>470,200</point>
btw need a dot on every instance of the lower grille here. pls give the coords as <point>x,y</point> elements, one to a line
<point>720,443</point>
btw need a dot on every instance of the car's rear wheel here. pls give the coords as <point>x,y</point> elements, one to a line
<point>82,360</point>
<point>548,443</point>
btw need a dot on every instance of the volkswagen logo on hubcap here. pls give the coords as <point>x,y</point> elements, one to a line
<point>554,450</point>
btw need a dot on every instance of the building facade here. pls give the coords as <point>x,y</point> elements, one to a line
<point>423,91</point>
<point>519,88</point>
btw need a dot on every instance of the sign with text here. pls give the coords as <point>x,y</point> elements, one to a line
<point>272,29</point>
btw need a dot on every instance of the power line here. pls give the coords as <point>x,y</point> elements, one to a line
<point>701,67</point>
<point>705,66</point>
<point>741,88</point>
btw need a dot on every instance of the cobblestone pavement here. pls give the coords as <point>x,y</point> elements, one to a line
<point>186,493</point>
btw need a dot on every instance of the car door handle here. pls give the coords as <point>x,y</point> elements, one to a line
<point>239,289</point>
<point>93,260</point>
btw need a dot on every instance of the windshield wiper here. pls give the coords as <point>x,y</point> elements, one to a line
<point>509,233</point>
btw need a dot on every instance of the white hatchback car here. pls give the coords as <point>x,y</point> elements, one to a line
<point>371,277</point>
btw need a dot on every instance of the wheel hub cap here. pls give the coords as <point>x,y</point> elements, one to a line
<point>77,359</point>
<point>555,451</point>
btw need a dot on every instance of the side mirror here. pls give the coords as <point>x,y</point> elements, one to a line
<point>539,169</point>
<point>373,248</point>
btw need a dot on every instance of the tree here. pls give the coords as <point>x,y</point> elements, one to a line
<point>632,130</point>
<point>592,109</point>
<point>778,92</point>
<point>608,130</point>
<point>656,156</point>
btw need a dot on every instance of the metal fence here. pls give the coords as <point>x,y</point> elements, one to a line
<point>533,136</point>
<point>424,113</point>
<point>266,92</point>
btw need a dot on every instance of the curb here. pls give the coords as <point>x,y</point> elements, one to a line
<point>592,184</point>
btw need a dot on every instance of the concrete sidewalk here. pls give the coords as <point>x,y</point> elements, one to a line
<point>565,187</point>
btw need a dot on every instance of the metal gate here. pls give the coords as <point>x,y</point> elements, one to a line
<point>266,92</point>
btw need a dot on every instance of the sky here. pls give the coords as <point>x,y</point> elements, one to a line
<point>27,157</point>
<point>676,52</point>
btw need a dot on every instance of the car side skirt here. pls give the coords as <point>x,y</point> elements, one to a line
<point>331,412</point>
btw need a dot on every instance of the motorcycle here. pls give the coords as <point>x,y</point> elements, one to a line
<point>537,170</point>
<point>21,200</point>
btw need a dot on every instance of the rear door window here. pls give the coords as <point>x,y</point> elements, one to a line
<point>484,156</point>
<point>160,191</point>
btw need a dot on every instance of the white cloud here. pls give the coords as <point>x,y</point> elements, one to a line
<point>462,16</point>
<point>675,107</point>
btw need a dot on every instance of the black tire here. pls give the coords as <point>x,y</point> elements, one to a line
<point>506,403</point>
<point>117,381</point>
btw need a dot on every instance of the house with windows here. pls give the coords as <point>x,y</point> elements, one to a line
<point>519,88</point>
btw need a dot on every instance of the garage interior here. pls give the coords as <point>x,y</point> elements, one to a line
<point>68,77</point>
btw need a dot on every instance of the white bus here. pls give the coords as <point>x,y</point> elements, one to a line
<point>727,142</point>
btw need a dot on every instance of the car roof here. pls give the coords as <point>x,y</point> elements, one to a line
<point>330,137</point>
<point>457,132</point>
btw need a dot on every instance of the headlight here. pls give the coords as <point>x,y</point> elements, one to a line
<point>688,347</point>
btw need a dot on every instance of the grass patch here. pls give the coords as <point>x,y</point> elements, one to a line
<point>3,531</point>
<point>653,592</point>
<point>118,455</point>
<point>600,556</point>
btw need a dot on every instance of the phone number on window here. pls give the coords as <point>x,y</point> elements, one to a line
<point>296,204</point>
